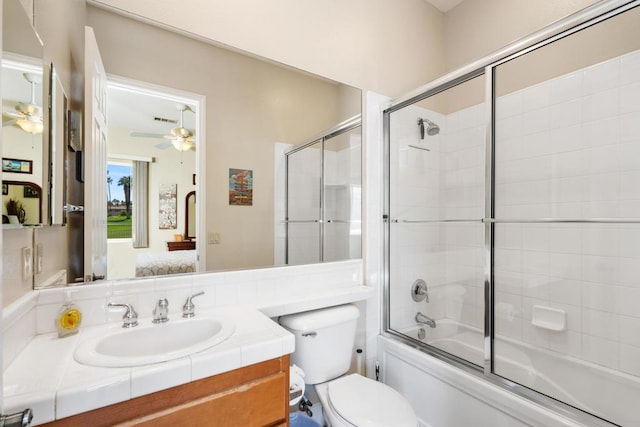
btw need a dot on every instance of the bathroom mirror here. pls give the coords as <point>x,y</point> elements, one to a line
<point>190,216</point>
<point>24,149</point>
<point>21,203</point>
<point>251,105</point>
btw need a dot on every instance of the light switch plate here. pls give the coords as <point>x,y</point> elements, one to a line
<point>214,238</point>
<point>38,258</point>
<point>27,263</point>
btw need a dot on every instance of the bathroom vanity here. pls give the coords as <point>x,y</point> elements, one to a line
<point>257,395</point>
<point>243,380</point>
<point>244,377</point>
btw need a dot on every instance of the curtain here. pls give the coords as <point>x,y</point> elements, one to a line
<point>140,187</point>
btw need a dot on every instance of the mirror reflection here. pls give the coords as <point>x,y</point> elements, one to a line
<point>23,149</point>
<point>21,203</point>
<point>253,107</point>
<point>151,152</point>
<point>190,216</point>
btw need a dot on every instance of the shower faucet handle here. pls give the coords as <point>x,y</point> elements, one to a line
<point>419,291</point>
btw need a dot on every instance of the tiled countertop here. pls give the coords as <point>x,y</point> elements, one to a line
<point>57,386</point>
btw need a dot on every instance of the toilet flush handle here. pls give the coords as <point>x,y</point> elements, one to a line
<point>309,334</point>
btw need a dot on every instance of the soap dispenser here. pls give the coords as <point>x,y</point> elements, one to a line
<point>69,318</point>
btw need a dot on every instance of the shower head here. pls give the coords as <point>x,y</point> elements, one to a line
<point>432,128</point>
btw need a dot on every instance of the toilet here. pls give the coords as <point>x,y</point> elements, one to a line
<point>325,341</point>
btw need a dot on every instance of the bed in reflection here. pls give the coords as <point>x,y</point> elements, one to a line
<point>163,263</point>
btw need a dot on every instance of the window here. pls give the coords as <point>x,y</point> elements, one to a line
<point>119,200</point>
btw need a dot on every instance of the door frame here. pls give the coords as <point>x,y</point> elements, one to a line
<point>181,96</point>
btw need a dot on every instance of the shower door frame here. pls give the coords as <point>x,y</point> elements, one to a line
<point>340,128</point>
<point>574,23</point>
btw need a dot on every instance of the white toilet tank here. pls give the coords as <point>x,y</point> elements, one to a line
<point>324,341</point>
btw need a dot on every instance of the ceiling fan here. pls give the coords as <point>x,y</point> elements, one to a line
<point>181,138</point>
<point>28,115</point>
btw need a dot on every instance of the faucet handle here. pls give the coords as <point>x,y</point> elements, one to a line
<point>130,317</point>
<point>188,309</point>
<point>419,291</point>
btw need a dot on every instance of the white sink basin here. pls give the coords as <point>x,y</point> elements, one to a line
<point>147,344</point>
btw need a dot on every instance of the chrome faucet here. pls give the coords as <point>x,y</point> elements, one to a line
<point>161,312</point>
<point>188,309</point>
<point>425,320</point>
<point>130,317</point>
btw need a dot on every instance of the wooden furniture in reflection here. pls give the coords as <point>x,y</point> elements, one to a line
<point>257,395</point>
<point>190,216</point>
<point>181,246</point>
<point>27,193</point>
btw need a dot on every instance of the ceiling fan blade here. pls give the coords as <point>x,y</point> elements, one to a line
<point>14,115</point>
<point>146,135</point>
<point>9,123</point>
<point>164,145</point>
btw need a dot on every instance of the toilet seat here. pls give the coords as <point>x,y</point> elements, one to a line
<point>364,402</point>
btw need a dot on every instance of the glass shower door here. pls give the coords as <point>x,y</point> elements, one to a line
<point>567,219</point>
<point>342,196</point>
<point>304,205</point>
<point>436,234</point>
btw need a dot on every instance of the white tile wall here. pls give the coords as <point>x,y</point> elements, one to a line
<point>568,148</point>
<point>591,170</point>
<point>444,183</point>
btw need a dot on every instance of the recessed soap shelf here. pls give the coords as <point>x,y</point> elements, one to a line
<point>549,318</point>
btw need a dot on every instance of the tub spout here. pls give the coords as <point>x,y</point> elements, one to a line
<point>425,320</point>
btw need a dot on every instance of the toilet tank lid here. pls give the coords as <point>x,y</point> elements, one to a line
<point>321,318</point>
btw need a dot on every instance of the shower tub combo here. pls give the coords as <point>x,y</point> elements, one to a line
<point>512,199</point>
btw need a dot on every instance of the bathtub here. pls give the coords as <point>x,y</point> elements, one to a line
<point>604,392</point>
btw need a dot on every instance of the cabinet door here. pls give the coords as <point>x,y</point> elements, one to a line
<point>258,403</point>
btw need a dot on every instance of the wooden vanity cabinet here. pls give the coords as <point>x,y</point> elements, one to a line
<point>257,395</point>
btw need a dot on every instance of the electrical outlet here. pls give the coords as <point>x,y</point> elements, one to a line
<point>27,263</point>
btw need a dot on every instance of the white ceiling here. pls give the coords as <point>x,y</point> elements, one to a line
<point>136,111</point>
<point>16,88</point>
<point>444,5</point>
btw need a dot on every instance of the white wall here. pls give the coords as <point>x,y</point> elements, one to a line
<point>14,284</point>
<point>23,146</point>
<point>387,47</point>
<point>476,28</point>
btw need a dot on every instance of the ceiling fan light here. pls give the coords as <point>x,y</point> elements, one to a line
<point>31,124</point>
<point>27,109</point>
<point>181,145</point>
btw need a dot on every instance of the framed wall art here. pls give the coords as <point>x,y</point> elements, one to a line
<point>168,215</point>
<point>17,165</point>
<point>240,187</point>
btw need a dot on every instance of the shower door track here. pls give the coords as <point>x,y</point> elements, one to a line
<point>519,221</point>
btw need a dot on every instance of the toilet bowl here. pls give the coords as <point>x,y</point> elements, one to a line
<point>324,345</point>
<point>354,400</point>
